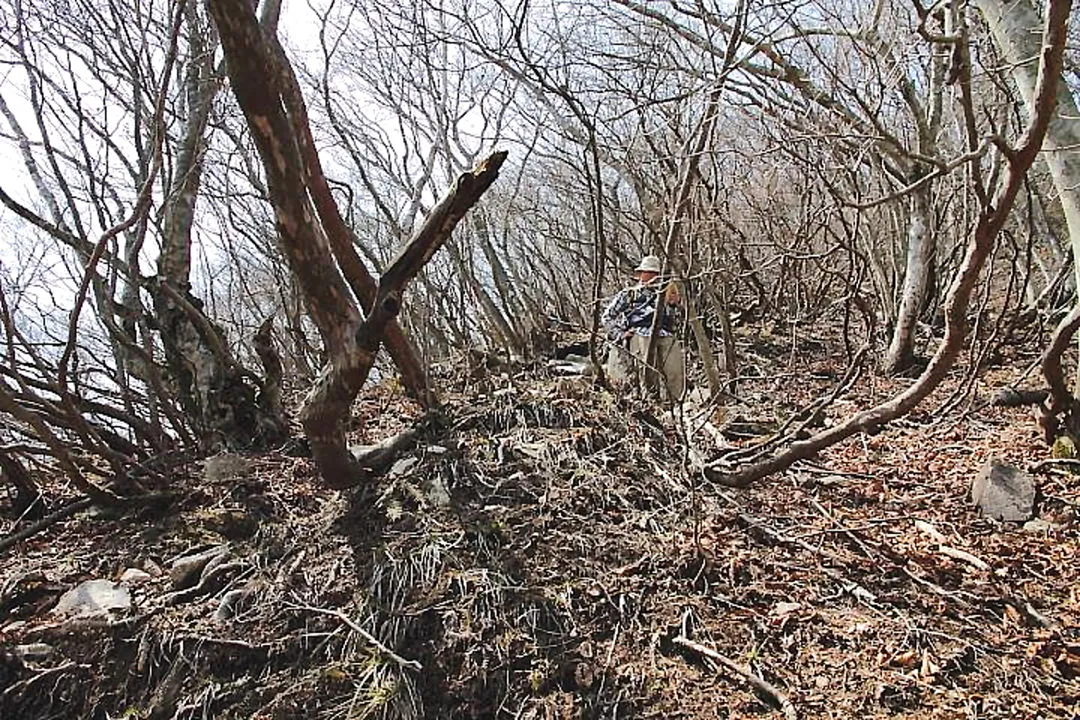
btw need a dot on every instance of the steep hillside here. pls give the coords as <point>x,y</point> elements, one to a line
<point>542,551</point>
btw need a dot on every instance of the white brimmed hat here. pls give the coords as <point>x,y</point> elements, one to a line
<point>649,263</point>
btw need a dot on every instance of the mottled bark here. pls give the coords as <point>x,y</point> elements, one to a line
<point>340,236</point>
<point>273,373</point>
<point>327,406</point>
<point>278,128</point>
<point>920,253</point>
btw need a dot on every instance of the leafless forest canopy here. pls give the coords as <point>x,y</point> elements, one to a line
<point>301,358</point>
<point>203,204</point>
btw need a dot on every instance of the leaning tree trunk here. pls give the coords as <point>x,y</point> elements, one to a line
<point>920,254</point>
<point>266,90</point>
<point>1014,26</point>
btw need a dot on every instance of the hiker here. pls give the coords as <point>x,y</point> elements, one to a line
<point>629,320</point>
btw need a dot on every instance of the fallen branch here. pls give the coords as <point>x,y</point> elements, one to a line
<point>855,589</point>
<point>964,556</point>
<point>167,695</point>
<point>379,456</point>
<point>1012,397</point>
<point>1041,465</point>
<point>948,551</point>
<point>50,519</point>
<point>372,640</point>
<point>763,686</point>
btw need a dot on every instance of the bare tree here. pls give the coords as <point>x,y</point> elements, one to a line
<point>1016,162</point>
<point>277,119</point>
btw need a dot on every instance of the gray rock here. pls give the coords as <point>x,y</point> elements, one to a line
<point>135,576</point>
<point>1040,526</point>
<point>94,597</point>
<point>185,571</point>
<point>226,467</point>
<point>1003,492</point>
<point>229,605</point>
<point>575,366</point>
<point>34,652</point>
<point>403,467</point>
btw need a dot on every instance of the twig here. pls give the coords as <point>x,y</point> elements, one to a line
<point>1023,605</point>
<point>846,531</point>
<point>810,468</point>
<point>948,551</point>
<point>964,556</point>
<point>759,684</point>
<point>1054,462</point>
<point>387,652</point>
<point>857,591</point>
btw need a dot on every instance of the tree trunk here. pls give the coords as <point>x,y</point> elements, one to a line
<point>729,363</point>
<point>1015,26</point>
<point>28,501</point>
<point>501,324</point>
<point>264,85</point>
<point>701,339</point>
<point>920,252</point>
<point>212,387</point>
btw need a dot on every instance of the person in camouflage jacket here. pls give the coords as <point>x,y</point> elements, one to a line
<point>629,321</point>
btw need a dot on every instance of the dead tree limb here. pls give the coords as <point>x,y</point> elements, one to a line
<point>989,224</point>
<point>329,401</point>
<point>761,685</point>
<point>52,518</point>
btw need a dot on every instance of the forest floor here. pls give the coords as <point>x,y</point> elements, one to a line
<point>543,552</point>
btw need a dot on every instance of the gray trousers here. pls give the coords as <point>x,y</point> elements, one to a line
<point>627,365</point>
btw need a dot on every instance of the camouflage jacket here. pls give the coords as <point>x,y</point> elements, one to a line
<point>633,309</point>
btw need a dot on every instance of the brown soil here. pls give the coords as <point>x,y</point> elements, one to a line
<point>575,548</point>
